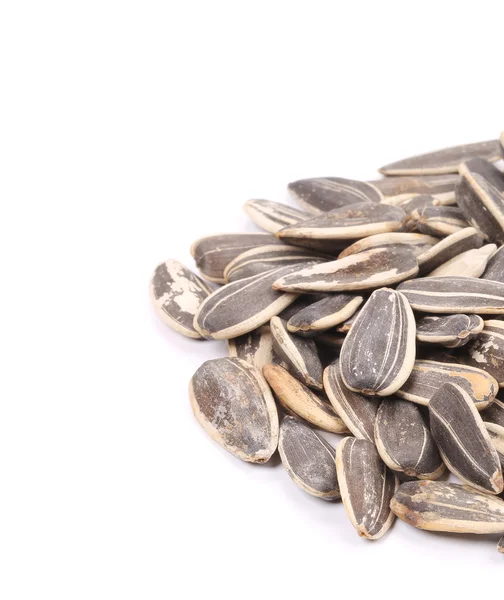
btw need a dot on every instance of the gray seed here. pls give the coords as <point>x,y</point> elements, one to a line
<point>363,271</point>
<point>494,413</point>
<point>300,303</point>
<point>428,376</point>
<point>418,243</point>
<point>366,487</point>
<point>242,306</point>
<point>463,440</point>
<point>379,351</point>
<point>470,263</point>
<point>308,459</point>
<point>443,506</point>
<point>450,331</point>
<point>255,347</point>
<point>435,185</point>
<point>348,324</point>
<point>496,433</point>
<point>416,202</point>
<point>448,248</point>
<point>439,220</point>
<point>232,402</point>
<point>454,295</point>
<point>177,294</point>
<point>404,441</point>
<point>442,161</point>
<point>213,253</point>
<point>299,399</point>
<point>486,350</point>
<point>495,267</point>
<point>299,354</point>
<point>356,411</point>
<point>272,216</point>
<point>322,194</point>
<point>324,314</point>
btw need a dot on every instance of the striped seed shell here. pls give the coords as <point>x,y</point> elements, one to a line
<point>363,271</point>
<point>450,331</point>
<point>272,216</point>
<point>463,440</point>
<point>255,347</point>
<point>348,324</point>
<point>177,293</point>
<point>404,441</point>
<point>486,350</point>
<point>241,306</point>
<point>439,220</point>
<point>299,303</point>
<point>496,433</point>
<point>428,376</point>
<point>442,161</point>
<point>232,402</point>
<point>494,413</point>
<point>470,263</point>
<point>299,354</point>
<point>366,487</point>
<point>440,186</point>
<point>448,507</point>
<point>308,459</point>
<point>324,314</point>
<point>417,201</point>
<point>495,266</point>
<point>297,398</point>
<point>322,194</point>
<point>358,412</point>
<point>213,253</point>
<point>454,295</point>
<point>448,248</point>
<point>418,243</point>
<point>379,351</point>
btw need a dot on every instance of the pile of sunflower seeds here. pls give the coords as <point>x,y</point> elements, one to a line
<point>375,311</point>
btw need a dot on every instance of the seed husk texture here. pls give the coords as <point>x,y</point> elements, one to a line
<point>450,331</point>
<point>418,243</point>
<point>234,405</point>
<point>324,314</point>
<point>366,487</point>
<point>486,350</point>
<point>496,433</point>
<point>500,545</point>
<point>448,248</point>
<point>255,347</point>
<point>439,220</point>
<point>495,267</point>
<point>471,263</point>
<point>272,216</point>
<point>463,439</point>
<point>494,413</point>
<point>308,458</point>
<point>379,351</point>
<point>418,184</point>
<point>448,507</point>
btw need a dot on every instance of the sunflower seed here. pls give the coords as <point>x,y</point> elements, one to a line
<point>486,351</point>
<point>366,487</point>
<point>348,324</point>
<point>300,354</point>
<point>495,266</point>
<point>255,347</point>
<point>448,248</point>
<point>443,506</point>
<point>500,545</point>
<point>451,331</point>
<point>177,293</point>
<point>300,303</point>
<point>308,459</point>
<point>299,399</point>
<point>321,194</point>
<point>214,252</point>
<point>418,243</point>
<point>436,185</point>
<point>367,270</point>
<point>232,402</point>
<point>494,413</point>
<point>324,314</point>
<point>454,295</point>
<point>356,411</point>
<point>272,216</point>
<point>265,258</point>
<point>442,161</point>
<point>479,195</point>
<point>496,433</point>
<point>440,221</point>
<point>470,263</point>
<point>463,440</point>
<point>404,442</point>
<point>242,306</point>
<point>416,202</point>
<point>428,376</point>
<point>379,351</point>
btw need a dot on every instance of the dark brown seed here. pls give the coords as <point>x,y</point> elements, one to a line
<point>496,433</point>
<point>272,216</point>
<point>463,440</point>
<point>454,295</point>
<point>324,314</point>
<point>323,194</point>
<point>356,411</point>
<point>450,331</point>
<point>470,263</point>
<point>213,253</point>
<point>299,354</point>
<point>418,243</point>
<point>299,399</point>
<point>439,221</point>
<point>256,347</point>
<point>486,350</point>
<point>233,403</point>
<point>428,376</point>
<point>242,306</point>
<point>442,161</point>
<point>494,413</point>
<point>379,351</point>
<point>363,271</point>
<point>437,185</point>
<point>366,487</point>
<point>495,267</point>
<point>308,459</point>
<point>404,441</point>
<point>448,248</point>
<point>177,294</point>
<point>443,506</point>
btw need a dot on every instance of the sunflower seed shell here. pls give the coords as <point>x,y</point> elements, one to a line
<point>486,350</point>
<point>272,216</point>
<point>255,347</point>
<point>471,263</point>
<point>496,433</point>
<point>450,331</point>
<point>324,314</point>
<point>494,413</point>
<point>495,267</point>
<point>418,243</point>
<point>448,248</point>
<point>436,185</point>
<point>439,221</point>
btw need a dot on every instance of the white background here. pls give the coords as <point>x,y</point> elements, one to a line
<point>127,130</point>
